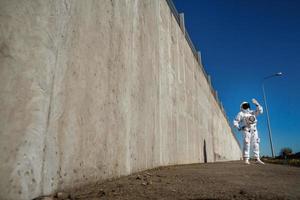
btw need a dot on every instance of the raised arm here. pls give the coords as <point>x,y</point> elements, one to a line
<point>259,108</point>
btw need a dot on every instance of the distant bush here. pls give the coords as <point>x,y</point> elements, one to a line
<point>285,152</point>
<point>294,156</point>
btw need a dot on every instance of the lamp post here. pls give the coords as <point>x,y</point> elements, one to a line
<point>266,106</point>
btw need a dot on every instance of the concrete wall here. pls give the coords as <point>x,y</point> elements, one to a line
<point>96,89</point>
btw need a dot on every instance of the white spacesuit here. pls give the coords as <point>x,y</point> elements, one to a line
<point>246,121</point>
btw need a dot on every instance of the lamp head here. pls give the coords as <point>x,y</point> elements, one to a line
<point>278,74</point>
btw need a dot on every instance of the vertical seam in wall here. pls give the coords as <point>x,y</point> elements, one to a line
<point>212,136</point>
<point>159,91</point>
<point>59,31</point>
<point>48,122</point>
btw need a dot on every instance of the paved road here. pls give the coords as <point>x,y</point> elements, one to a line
<point>228,180</point>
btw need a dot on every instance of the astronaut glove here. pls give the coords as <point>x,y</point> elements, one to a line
<point>254,101</point>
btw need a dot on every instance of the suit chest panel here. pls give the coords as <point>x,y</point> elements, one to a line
<point>249,118</point>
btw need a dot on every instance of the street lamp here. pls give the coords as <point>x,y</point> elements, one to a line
<point>266,106</point>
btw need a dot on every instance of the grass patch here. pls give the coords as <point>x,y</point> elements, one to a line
<point>292,162</point>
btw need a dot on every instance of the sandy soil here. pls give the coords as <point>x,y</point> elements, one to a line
<point>228,180</point>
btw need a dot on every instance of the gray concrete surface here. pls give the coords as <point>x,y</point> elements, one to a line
<point>91,90</point>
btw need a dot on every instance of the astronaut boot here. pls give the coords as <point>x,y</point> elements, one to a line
<point>258,161</point>
<point>247,161</point>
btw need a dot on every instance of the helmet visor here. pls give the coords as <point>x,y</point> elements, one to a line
<point>246,106</point>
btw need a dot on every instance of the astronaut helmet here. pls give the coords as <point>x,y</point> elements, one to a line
<point>245,105</point>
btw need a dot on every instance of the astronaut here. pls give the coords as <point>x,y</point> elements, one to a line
<point>246,121</point>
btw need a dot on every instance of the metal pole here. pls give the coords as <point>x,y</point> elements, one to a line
<point>268,119</point>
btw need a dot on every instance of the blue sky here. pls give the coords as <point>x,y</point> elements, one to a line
<point>242,41</point>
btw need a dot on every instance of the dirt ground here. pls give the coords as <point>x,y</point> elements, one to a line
<point>227,180</point>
